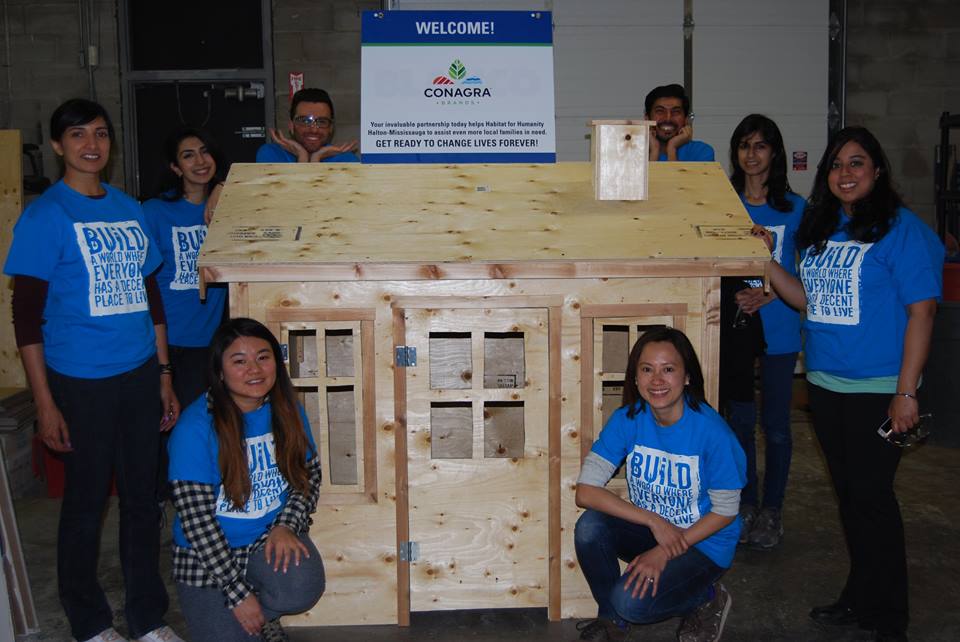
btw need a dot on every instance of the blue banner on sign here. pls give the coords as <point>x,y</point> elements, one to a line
<point>457,27</point>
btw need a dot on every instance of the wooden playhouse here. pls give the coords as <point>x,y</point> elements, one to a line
<point>458,334</point>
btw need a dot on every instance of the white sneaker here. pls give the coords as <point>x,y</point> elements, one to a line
<point>163,634</point>
<point>107,635</point>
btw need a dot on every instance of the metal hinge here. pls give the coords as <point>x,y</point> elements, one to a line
<point>405,356</point>
<point>285,352</point>
<point>409,551</point>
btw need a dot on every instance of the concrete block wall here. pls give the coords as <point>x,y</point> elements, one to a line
<point>44,70</point>
<point>320,38</point>
<point>903,70</point>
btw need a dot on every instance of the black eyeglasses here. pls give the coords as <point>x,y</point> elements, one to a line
<point>915,435</point>
<point>312,121</point>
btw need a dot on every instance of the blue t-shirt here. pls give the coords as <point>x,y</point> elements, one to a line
<point>693,151</point>
<point>94,253</point>
<point>670,469</point>
<point>178,229</point>
<point>193,450</point>
<point>858,293</point>
<point>273,153</point>
<point>781,323</point>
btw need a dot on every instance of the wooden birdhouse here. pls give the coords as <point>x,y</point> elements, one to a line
<point>620,153</point>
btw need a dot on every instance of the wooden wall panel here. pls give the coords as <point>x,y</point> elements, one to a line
<point>350,600</point>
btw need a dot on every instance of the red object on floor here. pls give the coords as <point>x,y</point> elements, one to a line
<point>53,469</point>
<point>951,281</point>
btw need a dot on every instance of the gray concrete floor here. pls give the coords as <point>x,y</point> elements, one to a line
<point>772,590</point>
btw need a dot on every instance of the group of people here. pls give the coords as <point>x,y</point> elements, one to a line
<point>867,274</point>
<point>115,342</point>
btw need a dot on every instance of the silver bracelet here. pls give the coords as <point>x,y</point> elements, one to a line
<point>905,394</point>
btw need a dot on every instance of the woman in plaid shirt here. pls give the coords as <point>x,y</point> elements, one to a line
<point>245,475</point>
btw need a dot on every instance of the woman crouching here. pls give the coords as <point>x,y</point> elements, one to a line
<point>245,477</point>
<point>678,532</point>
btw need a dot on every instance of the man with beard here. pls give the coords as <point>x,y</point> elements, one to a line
<point>311,128</point>
<point>672,138</point>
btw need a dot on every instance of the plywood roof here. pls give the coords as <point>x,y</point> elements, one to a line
<point>320,219</point>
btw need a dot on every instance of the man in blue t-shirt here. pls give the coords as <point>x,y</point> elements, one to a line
<point>672,138</point>
<point>311,128</point>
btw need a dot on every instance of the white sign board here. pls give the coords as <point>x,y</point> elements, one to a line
<point>457,87</point>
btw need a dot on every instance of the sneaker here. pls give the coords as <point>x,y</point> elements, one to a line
<point>705,623</point>
<point>767,530</point>
<point>107,635</point>
<point>748,515</point>
<point>163,634</point>
<point>273,632</point>
<point>601,629</point>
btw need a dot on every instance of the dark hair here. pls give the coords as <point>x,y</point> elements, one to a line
<point>289,438</point>
<point>667,91</point>
<point>693,392</point>
<point>76,112</point>
<point>777,184</point>
<point>171,186</point>
<point>871,216</point>
<point>310,95</point>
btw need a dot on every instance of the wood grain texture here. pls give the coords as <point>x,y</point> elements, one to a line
<point>399,338</point>
<point>620,157</point>
<point>11,204</point>
<point>480,520</point>
<point>365,218</point>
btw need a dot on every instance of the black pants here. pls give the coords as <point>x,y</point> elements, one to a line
<point>189,382</point>
<point>862,467</point>
<point>114,428</point>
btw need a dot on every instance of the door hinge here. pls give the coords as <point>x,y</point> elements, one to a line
<point>405,356</point>
<point>409,551</point>
<point>284,352</point>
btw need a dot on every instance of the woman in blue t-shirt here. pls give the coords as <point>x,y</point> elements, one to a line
<point>245,477</point>
<point>678,530</point>
<point>194,166</point>
<point>90,328</point>
<point>870,276</point>
<point>759,176</point>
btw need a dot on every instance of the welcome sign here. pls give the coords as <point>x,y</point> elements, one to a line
<point>457,87</point>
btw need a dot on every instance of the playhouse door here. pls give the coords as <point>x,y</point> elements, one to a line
<point>477,417</point>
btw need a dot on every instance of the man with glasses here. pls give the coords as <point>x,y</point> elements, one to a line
<point>672,138</point>
<point>311,131</point>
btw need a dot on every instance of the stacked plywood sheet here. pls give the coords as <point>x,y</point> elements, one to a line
<point>18,416</point>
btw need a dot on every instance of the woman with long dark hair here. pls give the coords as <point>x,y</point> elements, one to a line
<point>92,335</point>
<point>194,167</point>
<point>759,162</point>
<point>678,530</point>
<point>870,276</point>
<point>245,475</point>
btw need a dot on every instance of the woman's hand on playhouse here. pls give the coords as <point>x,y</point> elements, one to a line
<point>644,572</point>
<point>249,615</point>
<point>282,546</point>
<point>669,537</point>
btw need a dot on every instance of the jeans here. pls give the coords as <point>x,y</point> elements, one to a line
<point>776,390</point>
<point>601,540</point>
<point>862,468</point>
<point>114,426</point>
<point>279,594</point>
